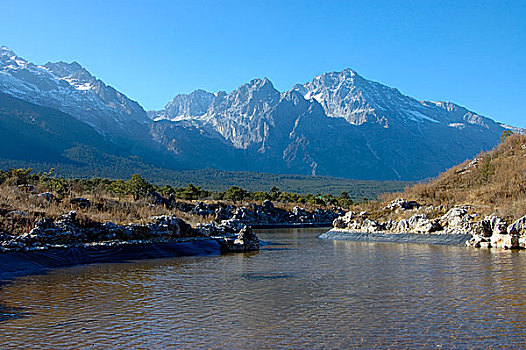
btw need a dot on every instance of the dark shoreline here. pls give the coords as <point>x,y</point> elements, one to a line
<point>418,238</point>
<point>22,263</point>
<point>290,225</point>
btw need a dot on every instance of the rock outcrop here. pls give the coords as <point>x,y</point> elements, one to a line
<point>457,220</point>
<point>252,214</point>
<point>418,223</point>
<point>67,231</point>
<point>245,241</point>
<point>491,232</point>
<point>401,203</point>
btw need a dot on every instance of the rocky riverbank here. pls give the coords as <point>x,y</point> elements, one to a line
<point>230,224</point>
<point>489,232</point>
<point>252,214</point>
<point>67,232</point>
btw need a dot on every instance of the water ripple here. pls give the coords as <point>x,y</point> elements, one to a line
<point>312,294</point>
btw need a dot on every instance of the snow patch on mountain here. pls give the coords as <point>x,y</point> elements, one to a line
<point>70,88</point>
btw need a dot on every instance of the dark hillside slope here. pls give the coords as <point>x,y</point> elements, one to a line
<point>36,133</point>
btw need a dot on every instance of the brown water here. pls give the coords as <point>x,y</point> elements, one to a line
<point>303,292</point>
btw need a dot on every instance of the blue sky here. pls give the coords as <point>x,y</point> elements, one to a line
<point>469,52</point>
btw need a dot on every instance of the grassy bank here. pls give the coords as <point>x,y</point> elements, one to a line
<point>26,196</point>
<point>493,182</point>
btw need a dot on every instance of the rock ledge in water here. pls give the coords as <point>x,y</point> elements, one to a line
<point>491,232</point>
<point>245,241</point>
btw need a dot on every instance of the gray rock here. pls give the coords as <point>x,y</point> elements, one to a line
<point>518,227</point>
<point>248,239</point>
<point>211,229</point>
<point>401,203</point>
<point>245,241</point>
<point>232,225</point>
<point>418,223</point>
<point>156,198</point>
<point>506,241</point>
<point>339,223</point>
<point>222,213</point>
<point>80,202</point>
<point>267,205</point>
<point>17,213</point>
<point>169,226</point>
<point>372,226</point>
<point>403,226</point>
<point>457,220</point>
<point>390,225</point>
<point>490,225</point>
<point>421,224</point>
<point>345,220</point>
<point>48,196</point>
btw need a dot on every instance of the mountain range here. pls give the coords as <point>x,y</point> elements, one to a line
<point>339,124</point>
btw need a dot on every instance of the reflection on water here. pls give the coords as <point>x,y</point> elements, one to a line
<point>303,293</point>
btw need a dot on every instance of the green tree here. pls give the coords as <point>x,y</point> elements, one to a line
<point>118,188</point>
<point>274,193</point>
<point>235,194</point>
<point>344,200</point>
<point>138,186</point>
<point>190,192</point>
<point>22,176</point>
<point>260,196</point>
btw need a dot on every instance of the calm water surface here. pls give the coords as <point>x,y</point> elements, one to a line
<point>302,292</point>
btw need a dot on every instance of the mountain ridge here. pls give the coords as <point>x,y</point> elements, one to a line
<point>338,124</point>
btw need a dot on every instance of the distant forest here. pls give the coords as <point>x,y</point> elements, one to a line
<point>220,181</point>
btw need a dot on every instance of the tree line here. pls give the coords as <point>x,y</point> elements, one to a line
<point>138,187</point>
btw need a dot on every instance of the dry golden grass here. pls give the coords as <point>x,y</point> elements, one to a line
<point>103,208</point>
<point>496,184</point>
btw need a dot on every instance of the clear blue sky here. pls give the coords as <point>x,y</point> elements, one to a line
<point>469,52</point>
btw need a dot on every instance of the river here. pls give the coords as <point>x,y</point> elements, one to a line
<point>299,292</point>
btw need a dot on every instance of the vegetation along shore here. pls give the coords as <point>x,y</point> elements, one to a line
<point>42,212</point>
<point>484,197</point>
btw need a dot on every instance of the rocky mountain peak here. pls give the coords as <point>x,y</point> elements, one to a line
<point>256,96</point>
<point>342,94</point>
<point>9,60</point>
<point>5,51</point>
<point>73,73</point>
<point>184,106</point>
<point>259,86</point>
<point>64,69</point>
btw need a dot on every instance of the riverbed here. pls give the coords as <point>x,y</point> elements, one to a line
<point>298,292</point>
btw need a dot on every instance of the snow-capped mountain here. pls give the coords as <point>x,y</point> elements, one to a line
<point>348,95</point>
<point>397,135</point>
<point>69,88</point>
<point>341,94</point>
<point>339,124</point>
<point>183,106</point>
<point>242,117</point>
